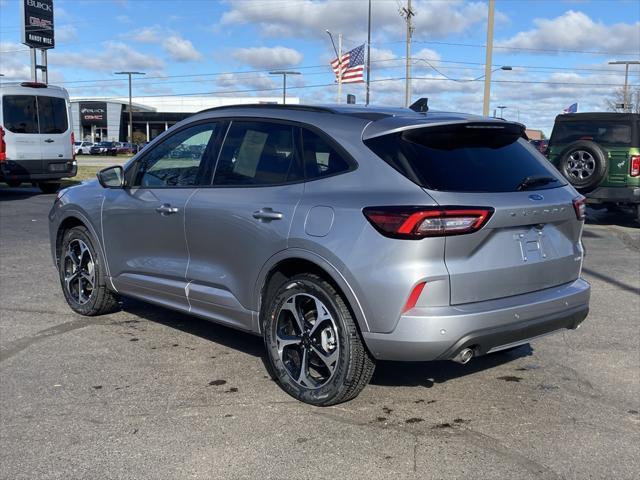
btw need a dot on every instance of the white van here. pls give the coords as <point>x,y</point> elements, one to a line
<point>36,137</point>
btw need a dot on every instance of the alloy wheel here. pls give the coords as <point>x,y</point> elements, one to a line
<point>580,165</point>
<point>79,271</point>
<point>307,340</point>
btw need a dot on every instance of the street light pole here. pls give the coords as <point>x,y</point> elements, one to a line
<point>284,74</point>
<point>130,137</point>
<point>487,64</point>
<point>502,107</point>
<point>627,106</point>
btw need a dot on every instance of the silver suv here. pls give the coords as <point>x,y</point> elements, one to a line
<point>342,235</point>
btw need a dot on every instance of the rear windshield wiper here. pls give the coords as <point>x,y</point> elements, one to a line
<point>533,181</point>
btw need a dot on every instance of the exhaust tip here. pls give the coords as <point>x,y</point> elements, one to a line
<point>463,356</point>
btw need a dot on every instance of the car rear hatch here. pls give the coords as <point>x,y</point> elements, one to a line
<point>532,238</point>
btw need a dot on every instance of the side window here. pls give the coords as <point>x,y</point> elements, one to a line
<point>178,161</point>
<point>52,112</point>
<point>258,153</point>
<point>320,158</point>
<point>19,113</point>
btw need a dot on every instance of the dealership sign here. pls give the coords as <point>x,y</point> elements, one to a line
<point>93,113</point>
<point>37,23</point>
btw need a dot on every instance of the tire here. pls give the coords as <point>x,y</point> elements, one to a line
<point>14,183</point>
<point>347,367</point>
<point>48,187</point>
<point>584,164</point>
<point>82,275</point>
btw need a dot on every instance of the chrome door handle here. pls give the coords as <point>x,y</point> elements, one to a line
<point>49,140</point>
<point>166,209</point>
<point>267,214</point>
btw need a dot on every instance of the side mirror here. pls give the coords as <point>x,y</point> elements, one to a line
<point>111,177</point>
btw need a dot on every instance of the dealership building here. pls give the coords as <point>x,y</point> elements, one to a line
<point>97,119</point>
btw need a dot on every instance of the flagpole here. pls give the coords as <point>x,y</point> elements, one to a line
<point>368,54</point>
<point>340,67</point>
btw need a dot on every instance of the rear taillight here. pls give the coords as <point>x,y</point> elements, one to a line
<point>580,206</point>
<point>419,222</point>
<point>3,146</point>
<point>634,167</point>
<point>73,145</point>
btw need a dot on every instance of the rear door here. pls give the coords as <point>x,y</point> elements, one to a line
<point>55,133</point>
<point>532,240</point>
<point>22,136</point>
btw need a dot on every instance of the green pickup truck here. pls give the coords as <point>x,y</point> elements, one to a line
<point>599,154</point>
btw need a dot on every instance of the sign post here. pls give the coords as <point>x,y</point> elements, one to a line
<point>38,33</point>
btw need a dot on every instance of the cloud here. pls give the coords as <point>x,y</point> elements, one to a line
<point>124,19</point>
<point>249,81</point>
<point>113,56</point>
<point>310,17</point>
<point>180,49</point>
<point>268,57</point>
<point>66,33</point>
<point>15,62</point>
<point>576,31</point>
<point>150,34</point>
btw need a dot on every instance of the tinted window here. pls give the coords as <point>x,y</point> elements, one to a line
<point>19,113</point>
<point>52,113</point>
<point>617,133</point>
<point>464,158</point>
<point>257,153</point>
<point>179,160</point>
<point>320,158</point>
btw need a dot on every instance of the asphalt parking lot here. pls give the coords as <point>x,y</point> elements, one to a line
<point>149,393</point>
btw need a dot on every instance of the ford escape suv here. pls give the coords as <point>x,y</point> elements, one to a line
<point>36,137</point>
<point>342,235</point>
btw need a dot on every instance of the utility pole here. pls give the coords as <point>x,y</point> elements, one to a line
<point>626,63</point>
<point>407,13</point>
<point>368,55</point>
<point>130,137</point>
<point>488,60</point>
<point>284,74</point>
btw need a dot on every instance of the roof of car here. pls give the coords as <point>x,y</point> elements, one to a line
<point>571,117</point>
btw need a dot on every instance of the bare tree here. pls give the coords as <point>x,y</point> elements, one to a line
<point>616,100</point>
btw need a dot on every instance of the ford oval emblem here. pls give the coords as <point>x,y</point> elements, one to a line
<point>536,197</point>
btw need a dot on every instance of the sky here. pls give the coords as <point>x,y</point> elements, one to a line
<point>558,50</point>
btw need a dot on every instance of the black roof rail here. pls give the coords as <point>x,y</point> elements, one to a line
<point>277,106</point>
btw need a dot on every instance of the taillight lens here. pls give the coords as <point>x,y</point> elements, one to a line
<point>73,145</point>
<point>580,206</point>
<point>634,168</point>
<point>419,222</point>
<point>3,146</point>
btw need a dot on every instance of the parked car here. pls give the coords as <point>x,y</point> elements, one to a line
<point>83,148</point>
<point>126,148</point>
<point>36,141</point>
<point>599,154</point>
<point>342,235</point>
<point>104,148</point>
<point>541,145</point>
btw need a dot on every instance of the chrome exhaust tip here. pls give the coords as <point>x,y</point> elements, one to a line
<point>463,356</point>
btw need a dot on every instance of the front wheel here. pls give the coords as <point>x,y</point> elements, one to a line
<point>314,348</point>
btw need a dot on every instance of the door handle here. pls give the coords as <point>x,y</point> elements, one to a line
<point>267,214</point>
<point>49,140</point>
<point>166,209</point>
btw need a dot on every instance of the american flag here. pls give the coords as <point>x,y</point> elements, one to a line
<point>350,66</point>
<point>573,108</point>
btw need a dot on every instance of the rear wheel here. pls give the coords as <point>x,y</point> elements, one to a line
<point>82,275</point>
<point>46,187</point>
<point>314,347</point>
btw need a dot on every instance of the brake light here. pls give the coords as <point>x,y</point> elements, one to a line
<point>413,298</point>
<point>634,168</point>
<point>33,85</point>
<point>419,222</point>
<point>580,206</point>
<point>73,145</point>
<point>3,146</point>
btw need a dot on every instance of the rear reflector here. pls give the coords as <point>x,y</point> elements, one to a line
<point>580,206</point>
<point>3,146</point>
<point>634,168</point>
<point>419,222</point>
<point>413,298</point>
<point>73,145</point>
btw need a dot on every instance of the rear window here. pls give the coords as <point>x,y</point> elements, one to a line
<point>465,158</point>
<point>19,113</point>
<point>618,133</point>
<point>52,112</point>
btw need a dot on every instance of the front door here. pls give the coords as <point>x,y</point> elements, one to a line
<point>143,223</point>
<point>237,224</point>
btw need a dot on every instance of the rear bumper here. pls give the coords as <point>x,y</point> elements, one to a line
<point>439,333</point>
<point>38,170</point>
<point>614,194</point>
